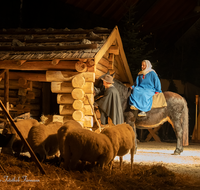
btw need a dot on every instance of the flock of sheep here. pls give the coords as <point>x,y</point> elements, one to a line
<point>73,142</point>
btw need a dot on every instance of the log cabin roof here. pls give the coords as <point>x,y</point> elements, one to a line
<point>38,44</point>
<point>44,49</point>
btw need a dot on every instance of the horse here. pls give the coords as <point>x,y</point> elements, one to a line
<point>176,113</point>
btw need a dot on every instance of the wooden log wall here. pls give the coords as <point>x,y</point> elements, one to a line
<point>23,97</point>
<point>71,95</point>
<point>108,63</point>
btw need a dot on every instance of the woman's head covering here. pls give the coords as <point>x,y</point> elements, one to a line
<point>148,68</point>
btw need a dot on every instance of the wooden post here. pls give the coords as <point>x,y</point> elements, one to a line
<point>6,89</point>
<point>22,138</point>
<point>195,131</point>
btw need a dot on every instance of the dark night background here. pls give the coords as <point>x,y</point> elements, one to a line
<point>172,59</point>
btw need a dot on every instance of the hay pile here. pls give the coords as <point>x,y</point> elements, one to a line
<point>23,174</point>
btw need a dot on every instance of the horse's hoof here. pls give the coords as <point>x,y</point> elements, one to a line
<point>176,153</point>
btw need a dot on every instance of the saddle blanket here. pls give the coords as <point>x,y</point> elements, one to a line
<point>159,101</point>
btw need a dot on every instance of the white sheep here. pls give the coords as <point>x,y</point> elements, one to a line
<point>43,139</point>
<point>62,132</point>
<point>122,137</point>
<point>85,145</point>
<point>16,144</point>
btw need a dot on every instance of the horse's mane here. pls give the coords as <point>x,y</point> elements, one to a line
<point>123,90</point>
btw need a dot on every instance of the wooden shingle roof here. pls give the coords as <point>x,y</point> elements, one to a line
<point>34,44</point>
<point>61,49</point>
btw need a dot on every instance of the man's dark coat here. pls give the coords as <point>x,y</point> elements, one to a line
<point>110,106</point>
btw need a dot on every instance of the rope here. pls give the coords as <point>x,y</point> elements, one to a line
<point>98,124</point>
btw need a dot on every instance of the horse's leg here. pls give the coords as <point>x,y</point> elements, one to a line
<point>179,135</point>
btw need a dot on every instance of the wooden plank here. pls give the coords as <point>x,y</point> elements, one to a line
<point>99,73</point>
<point>68,99</point>
<point>152,133</point>
<point>13,84</point>
<point>28,76</point>
<point>69,110</point>
<point>104,61</point>
<point>61,87</point>
<point>6,89</point>
<point>13,101</point>
<point>12,93</point>
<point>102,67</point>
<point>114,50</point>
<point>37,65</point>
<point>122,72</point>
<point>36,39</point>
<point>123,56</point>
<point>59,76</point>
<point>48,48</point>
<point>106,45</point>
<point>65,99</point>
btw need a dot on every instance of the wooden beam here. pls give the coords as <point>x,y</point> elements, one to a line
<point>90,62</point>
<point>105,47</point>
<point>56,40</point>
<point>55,31</point>
<point>13,84</point>
<point>48,48</point>
<point>104,62</point>
<point>28,76</point>
<point>102,67</point>
<point>55,61</point>
<point>81,66</point>
<point>99,73</point>
<point>6,89</point>
<point>123,57</point>
<point>114,50</point>
<point>20,62</point>
<point>38,65</point>
<point>59,76</point>
<point>2,72</point>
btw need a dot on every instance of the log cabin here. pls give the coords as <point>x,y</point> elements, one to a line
<point>36,63</point>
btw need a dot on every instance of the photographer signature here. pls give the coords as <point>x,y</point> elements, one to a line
<point>18,179</point>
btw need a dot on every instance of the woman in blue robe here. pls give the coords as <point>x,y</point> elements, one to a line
<point>146,85</point>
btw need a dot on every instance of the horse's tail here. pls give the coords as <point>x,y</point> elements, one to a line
<point>185,123</point>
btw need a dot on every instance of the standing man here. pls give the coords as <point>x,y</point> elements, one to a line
<point>110,104</point>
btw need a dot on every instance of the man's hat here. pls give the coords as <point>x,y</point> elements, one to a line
<point>108,78</point>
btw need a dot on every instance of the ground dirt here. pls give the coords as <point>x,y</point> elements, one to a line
<point>161,153</point>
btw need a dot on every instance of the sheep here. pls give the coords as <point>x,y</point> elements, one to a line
<point>85,145</point>
<point>43,139</point>
<point>122,137</point>
<point>62,132</point>
<point>16,144</point>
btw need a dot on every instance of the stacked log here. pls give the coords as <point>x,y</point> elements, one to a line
<point>71,92</point>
